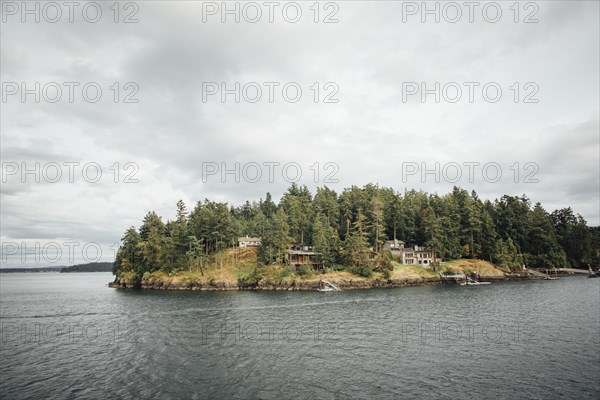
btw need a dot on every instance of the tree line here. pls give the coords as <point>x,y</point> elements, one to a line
<point>510,231</point>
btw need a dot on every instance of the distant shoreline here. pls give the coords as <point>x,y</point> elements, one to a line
<point>89,267</point>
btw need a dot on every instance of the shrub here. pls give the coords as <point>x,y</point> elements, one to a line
<point>303,270</point>
<point>284,273</point>
<point>449,273</point>
<point>250,280</point>
<point>436,267</point>
<point>363,270</point>
<point>387,274</point>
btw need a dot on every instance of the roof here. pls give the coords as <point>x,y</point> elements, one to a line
<point>248,239</point>
<point>301,252</point>
<point>411,250</point>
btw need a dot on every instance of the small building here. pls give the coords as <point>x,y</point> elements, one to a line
<point>395,246</point>
<point>371,255</point>
<point>248,241</point>
<point>299,255</point>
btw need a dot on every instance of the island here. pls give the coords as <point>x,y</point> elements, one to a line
<point>89,267</point>
<point>364,237</point>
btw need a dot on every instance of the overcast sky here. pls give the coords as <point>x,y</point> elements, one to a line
<point>371,61</point>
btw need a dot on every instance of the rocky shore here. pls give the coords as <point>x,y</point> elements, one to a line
<point>265,284</point>
<point>154,283</point>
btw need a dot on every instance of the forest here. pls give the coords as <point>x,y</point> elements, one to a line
<point>510,231</point>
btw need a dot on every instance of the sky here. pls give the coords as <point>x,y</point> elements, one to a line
<point>110,112</point>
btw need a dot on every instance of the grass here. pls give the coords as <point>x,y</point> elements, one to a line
<point>481,267</point>
<point>232,266</point>
<point>407,271</point>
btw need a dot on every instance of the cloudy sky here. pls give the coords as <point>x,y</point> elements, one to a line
<point>360,116</point>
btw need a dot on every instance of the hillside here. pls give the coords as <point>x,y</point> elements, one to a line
<point>234,269</point>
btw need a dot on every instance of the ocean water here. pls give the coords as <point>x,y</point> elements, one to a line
<point>69,336</point>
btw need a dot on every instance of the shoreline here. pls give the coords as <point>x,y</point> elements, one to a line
<point>302,285</point>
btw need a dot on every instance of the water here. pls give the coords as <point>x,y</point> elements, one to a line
<point>69,336</point>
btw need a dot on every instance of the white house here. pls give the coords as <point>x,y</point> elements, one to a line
<point>411,255</point>
<point>247,241</point>
<point>419,255</point>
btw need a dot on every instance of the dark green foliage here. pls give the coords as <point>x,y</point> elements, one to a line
<point>362,270</point>
<point>90,267</point>
<point>250,280</point>
<point>275,239</point>
<point>387,274</point>
<point>507,257</point>
<point>303,270</point>
<point>325,240</point>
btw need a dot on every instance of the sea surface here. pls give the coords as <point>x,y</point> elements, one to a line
<point>69,336</point>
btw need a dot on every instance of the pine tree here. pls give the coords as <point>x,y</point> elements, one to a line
<point>377,223</point>
<point>275,241</point>
<point>356,244</point>
<point>325,240</point>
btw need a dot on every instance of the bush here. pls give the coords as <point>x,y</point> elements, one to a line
<point>303,270</point>
<point>363,270</point>
<point>387,274</point>
<point>250,280</point>
<point>449,273</point>
<point>435,267</point>
<point>284,273</point>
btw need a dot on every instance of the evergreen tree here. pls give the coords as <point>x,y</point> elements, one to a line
<point>356,244</point>
<point>275,241</point>
<point>325,240</point>
<point>127,258</point>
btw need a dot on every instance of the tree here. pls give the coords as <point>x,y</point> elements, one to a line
<point>377,222</point>
<point>326,204</point>
<point>151,252</point>
<point>297,204</point>
<point>275,241</point>
<point>356,244</point>
<point>544,250</point>
<point>180,235</point>
<point>574,236</point>
<point>127,258</point>
<point>268,207</point>
<point>151,220</point>
<point>506,255</point>
<point>325,240</point>
<point>195,254</point>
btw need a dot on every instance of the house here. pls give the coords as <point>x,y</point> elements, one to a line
<point>419,256</point>
<point>411,255</point>
<point>248,241</point>
<point>299,255</point>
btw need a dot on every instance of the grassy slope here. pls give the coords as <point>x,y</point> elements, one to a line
<point>483,268</point>
<point>230,265</point>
